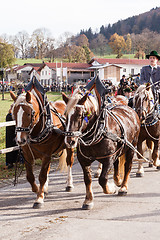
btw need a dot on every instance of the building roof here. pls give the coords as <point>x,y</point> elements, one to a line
<point>69,65</point>
<point>121,61</point>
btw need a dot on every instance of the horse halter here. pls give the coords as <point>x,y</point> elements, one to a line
<point>76,134</point>
<point>29,128</point>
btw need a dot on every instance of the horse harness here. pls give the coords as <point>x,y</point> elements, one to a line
<point>99,131</point>
<point>48,128</point>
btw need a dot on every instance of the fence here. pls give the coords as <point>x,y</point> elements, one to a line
<point>10,149</point>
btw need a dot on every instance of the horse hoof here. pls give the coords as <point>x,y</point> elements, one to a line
<point>150,165</point>
<point>87,206</point>
<point>96,175</point>
<point>37,205</point>
<point>69,189</point>
<point>139,174</point>
<point>122,193</point>
<point>158,167</point>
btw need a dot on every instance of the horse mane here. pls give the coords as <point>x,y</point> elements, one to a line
<point>20,99</point>
<point>143,89</point>
<point>72,103</point>
<point>77,95</point>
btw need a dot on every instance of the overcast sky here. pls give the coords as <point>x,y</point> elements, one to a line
<point>60,16</point>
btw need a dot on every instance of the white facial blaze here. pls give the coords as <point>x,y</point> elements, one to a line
<point>19,122</point>
<point>69,119</point>
<point>68,124</point>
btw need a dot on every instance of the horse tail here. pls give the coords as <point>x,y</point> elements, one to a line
<point>121,160</point>
<point>62,161</point>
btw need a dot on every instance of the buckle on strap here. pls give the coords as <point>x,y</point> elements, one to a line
<point>22,129</point>
<point>73,134</point>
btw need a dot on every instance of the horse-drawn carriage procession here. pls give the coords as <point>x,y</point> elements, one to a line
<point>98,125</point>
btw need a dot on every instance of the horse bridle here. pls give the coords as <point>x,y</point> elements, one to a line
<point>28,129</point>
<point>76,133</point>
<point>143,110</point>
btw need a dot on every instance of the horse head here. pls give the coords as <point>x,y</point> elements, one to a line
<point>25,111</point>
<point>80,110</point>
<point>144,101</point>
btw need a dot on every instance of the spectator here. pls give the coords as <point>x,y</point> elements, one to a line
<point>137,80</point>
<point>11,157</point>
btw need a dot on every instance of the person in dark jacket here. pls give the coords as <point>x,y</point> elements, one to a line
<point>137,80</point>
<point>151,72</point>
<point>11,157</point>
<point>123,81</point>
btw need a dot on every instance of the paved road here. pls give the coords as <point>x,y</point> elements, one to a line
<point>135,216</point>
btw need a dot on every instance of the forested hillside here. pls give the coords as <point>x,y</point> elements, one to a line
<point>135,24</point>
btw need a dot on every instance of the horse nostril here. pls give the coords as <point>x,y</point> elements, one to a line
<point>22,142</point>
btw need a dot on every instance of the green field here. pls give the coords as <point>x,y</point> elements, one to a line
<point>4,107</point>
<point>20,61</point>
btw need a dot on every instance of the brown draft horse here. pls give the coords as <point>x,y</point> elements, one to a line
<point>30,116</point>
<point>97,133</point>
<point>144,104</point>
<point>116,100</point>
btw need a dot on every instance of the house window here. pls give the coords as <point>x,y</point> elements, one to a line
<point>124,69</point>
<point>46,72</point>
<point>132,71</point>
<point>92,74</point>
<point>42,73</point>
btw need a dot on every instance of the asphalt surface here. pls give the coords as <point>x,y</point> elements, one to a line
<point>135,216</point>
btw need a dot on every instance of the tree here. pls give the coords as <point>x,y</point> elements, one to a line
<point>22,42</point>
<point>6,55</point>
<point>88,53</point>
<point>50,50</point>
<point>99,44</point>
<point>128,43</point>
<point>38,41</point>
<point>118,44</point>
<point>82,40</point>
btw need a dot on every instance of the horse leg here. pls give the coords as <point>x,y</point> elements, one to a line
<point>88,203</point>
<point>70,161</point>
<point>46,183</point>
<point>30,176</point>
<point>98,172</point>
<point>116,176</point>
<point>42,179</point>
<point>140,171</point>
<point>155,155</point>
<point>150,145</point>
<point>108,188</point>
<point>128,165</point>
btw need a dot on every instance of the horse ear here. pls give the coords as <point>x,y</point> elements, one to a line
<point>28,97</point>
<point>65,98</point>
<point>13,96</point>
<point>83,99</point>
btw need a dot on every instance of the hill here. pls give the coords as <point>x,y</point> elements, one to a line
<point>135,24</point>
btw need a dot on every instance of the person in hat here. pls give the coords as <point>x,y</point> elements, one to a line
<point>151,72</point>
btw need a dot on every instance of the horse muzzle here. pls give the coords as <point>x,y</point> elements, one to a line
<point>71,138</point>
